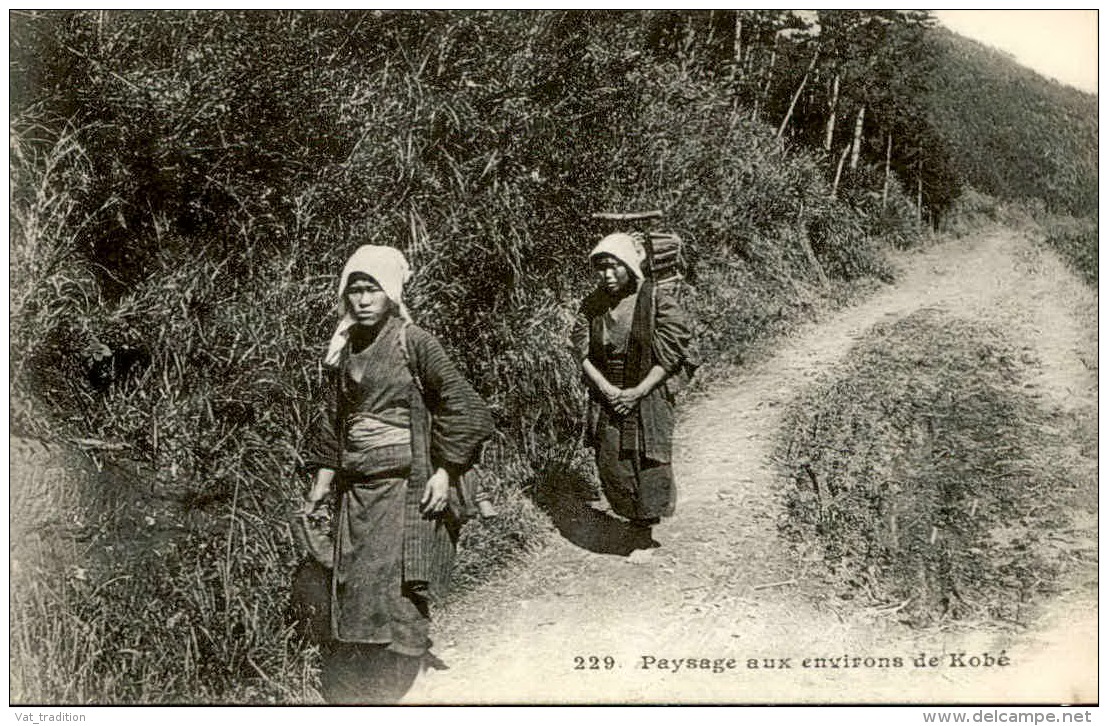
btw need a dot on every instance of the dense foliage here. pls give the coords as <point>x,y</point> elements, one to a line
<point>226,163</point>
<point>1015,134</point>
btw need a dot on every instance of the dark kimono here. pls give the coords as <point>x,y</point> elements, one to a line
<point>633,452</point>
<point>384,432</point>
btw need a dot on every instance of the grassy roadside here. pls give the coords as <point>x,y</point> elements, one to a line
<point>925,478</point>
<point>1075,239</point>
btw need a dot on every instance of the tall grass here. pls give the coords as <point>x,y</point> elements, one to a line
<point>214,171</point>
<point>1078,241</point>
<point>915,476</point>
<point>51,292</point>
<point>181,623</point>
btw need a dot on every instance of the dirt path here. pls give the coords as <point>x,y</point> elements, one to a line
<point>714,589</point>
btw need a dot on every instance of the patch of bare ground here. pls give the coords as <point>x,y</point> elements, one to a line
<point>726,591</point>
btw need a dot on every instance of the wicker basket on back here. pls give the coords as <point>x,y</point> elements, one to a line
<point>664,250</point>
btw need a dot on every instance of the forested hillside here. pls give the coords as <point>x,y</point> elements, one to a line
<point>1014,134</point>
<point>187,184</point>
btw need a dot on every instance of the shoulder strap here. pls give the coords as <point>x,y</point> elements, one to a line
<point>405,350</point>
<point>340,395</point>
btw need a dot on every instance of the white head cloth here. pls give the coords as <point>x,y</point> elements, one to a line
<point>624,248</point>
<point>389,268</point>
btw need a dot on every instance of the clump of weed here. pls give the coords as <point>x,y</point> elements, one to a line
<point>490,546</point>
<point>1078,241</point>
<point>912,473</point>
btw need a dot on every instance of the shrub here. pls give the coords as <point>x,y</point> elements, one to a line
<point>1078,241</point>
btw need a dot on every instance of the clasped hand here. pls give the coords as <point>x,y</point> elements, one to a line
<point>623,401</point>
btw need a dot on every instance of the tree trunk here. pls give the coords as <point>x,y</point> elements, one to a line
<point>919,188</point>
<point>806,245</point>
<point>832,105</point>
<point>839,172</point>
<point>857,138</point>
<point>761,102</point>
<point>888,164</point>
<point>738,47</point>
<point>799,90</point>
<point>689,38</point>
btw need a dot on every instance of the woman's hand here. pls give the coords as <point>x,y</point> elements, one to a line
<point>319,491</point>
<point>606,390</point>
<point>610,393</point>
<point>435,493</point>
<point>627,400</point>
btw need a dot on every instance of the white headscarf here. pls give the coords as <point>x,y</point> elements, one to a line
<point>624,248</point>
<point>389,268</point>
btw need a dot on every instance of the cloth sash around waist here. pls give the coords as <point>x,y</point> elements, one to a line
<point>377,445</point>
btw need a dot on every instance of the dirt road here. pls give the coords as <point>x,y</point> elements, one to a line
<point>724,589</point>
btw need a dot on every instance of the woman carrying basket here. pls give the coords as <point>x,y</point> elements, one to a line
<point>630,337</point>
<point>399,428</point>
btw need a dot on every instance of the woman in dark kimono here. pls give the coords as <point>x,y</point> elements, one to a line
<point>630,337</point>
<point>399,428</point>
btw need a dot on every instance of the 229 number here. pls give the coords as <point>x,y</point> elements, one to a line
<point>593,663</point>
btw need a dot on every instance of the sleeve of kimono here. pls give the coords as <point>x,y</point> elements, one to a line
<point>460,420</point>
<point>579,344</point>
<point>321,443</point>
<point>671,333</point>
<point>579,337</point>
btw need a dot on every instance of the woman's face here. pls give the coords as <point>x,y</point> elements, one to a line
<point>612,274</point>
<point>366,302</point>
